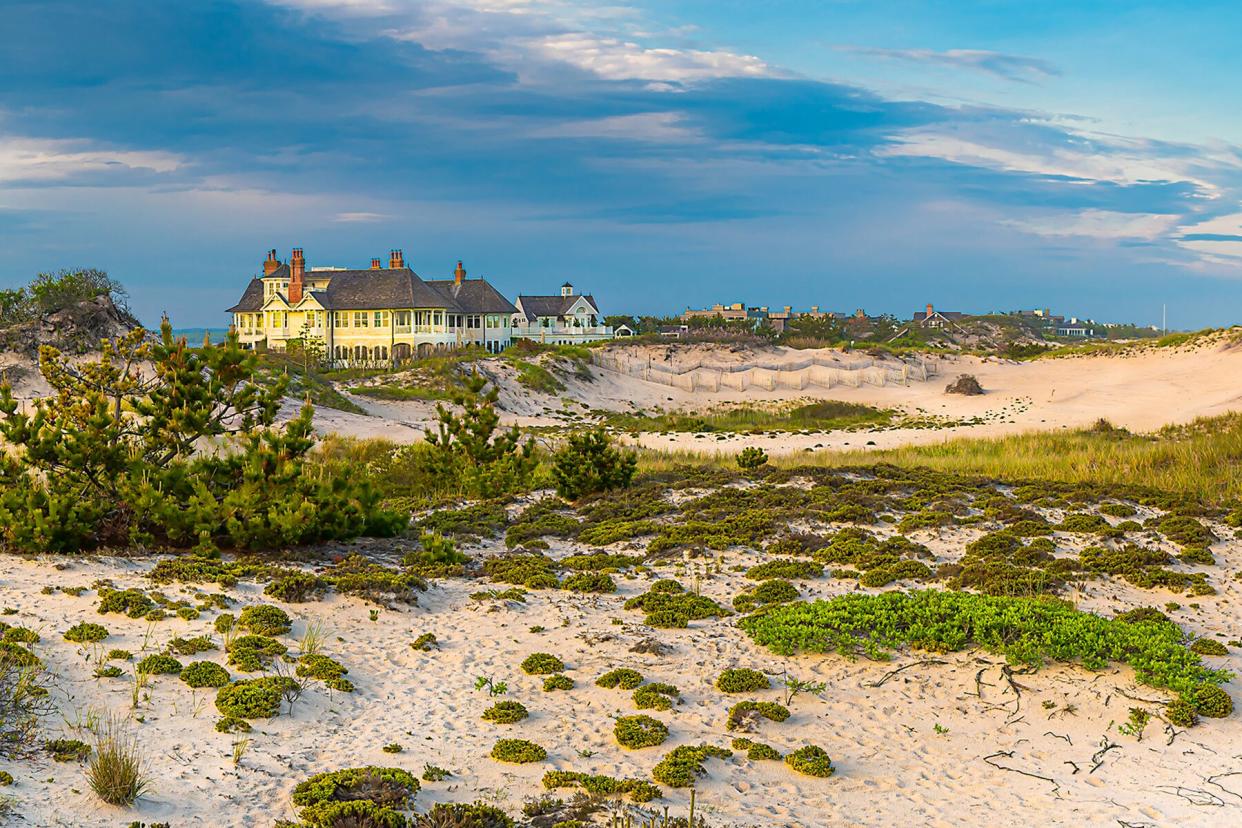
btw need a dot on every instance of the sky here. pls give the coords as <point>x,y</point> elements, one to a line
<point>980,155</point>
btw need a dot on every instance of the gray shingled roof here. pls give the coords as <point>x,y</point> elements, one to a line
<point>384,288</point>
<point>474,295</point>
<point>536,306</point>
<point>360,290</point>
<point>251,300</point>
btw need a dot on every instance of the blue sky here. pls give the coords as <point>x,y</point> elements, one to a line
<point>848,153</point>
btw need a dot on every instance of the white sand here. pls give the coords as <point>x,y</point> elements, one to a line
<point>1142,393</point>
<point>893,767</point>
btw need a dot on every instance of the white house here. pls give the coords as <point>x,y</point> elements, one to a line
<point>568,319</point>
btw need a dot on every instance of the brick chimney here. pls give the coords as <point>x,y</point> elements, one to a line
<point>297,269</point>
<point>271,263</point>
<point>396,260</point>
<point>459,274</point>
<point>930,311</point>
<point>375,264</point>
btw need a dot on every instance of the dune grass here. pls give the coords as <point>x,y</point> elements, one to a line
<point>1201,458</point>
<point>825,415</point>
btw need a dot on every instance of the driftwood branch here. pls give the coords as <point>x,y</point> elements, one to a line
<point>892,673</point>
<point>1008,754</point>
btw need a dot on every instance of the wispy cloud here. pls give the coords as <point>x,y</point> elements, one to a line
<point>32,160</point>
<point>359,218</point>
<point>998,64</point>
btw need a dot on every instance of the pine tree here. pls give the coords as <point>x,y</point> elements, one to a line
<point>158,443</point>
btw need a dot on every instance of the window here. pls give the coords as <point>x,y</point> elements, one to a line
<point>379,319</point>
<point>360,320</point>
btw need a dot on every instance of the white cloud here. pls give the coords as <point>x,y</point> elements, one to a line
<point>1098,224</point>
<point>616,59</point>
<point>1093,158</point>
<point>34,159</point>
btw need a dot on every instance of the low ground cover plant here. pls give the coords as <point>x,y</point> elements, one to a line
<point>640,731</point>
<point>1028,631</point>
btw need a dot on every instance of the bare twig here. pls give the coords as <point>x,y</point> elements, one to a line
<point>892,673</point>
<point>1008,754</point>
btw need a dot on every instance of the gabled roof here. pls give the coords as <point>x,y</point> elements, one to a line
<point>382,288</point>
<point>360,290</point>
<point>251,300</point>
<point>536,306</point>
<point>474,295</point>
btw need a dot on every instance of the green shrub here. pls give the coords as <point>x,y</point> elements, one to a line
<point>662,603</point>
<point>159,664</point>
<point>68,750</point>
<point>530,571</point>
<point>249,653</point>
<point>518,751</point>
<point>683,765</point>
<point>191,646</point>
<point>1181,713</point>
<point>785,568</point>
<point>351,812</point>
<point>602,786</point>
<point>426,642</point>
<point>1208,647</point>
<point>541,664</point>
<point>668,619</point>
<point>295,586</point>
<point>811,760</point>
<point>384,786</point>
<point>232,724</point>
<point>1210,701</point>
<point>742,680</point>
<point>639,731</point>
<point>588,463</point>
<point>596,582</point>
<point>254,698</point>
<point>204,674</point>
<point>751,458</point>
<point>756,751</point>
<point>132,602</point>
<point>656,696</point>
<point>1026,630</point>
<point>1118,510</point>
<point>438,557</point>
<point>1186,531</point>
<point>462,815</point>
<point>319,666</point>
<point>117,770</point>
<point>264,619</point>
<point>6,779</point>
<point>622,677</point>
<point>506,712</point>
<point>224,622</point>
<point>358,576</point>
<point>557,682</point>
<point>85,633</point>
<point>741,712</point>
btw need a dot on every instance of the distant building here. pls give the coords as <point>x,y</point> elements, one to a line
<point>622,331</point>
<point>568,319</point>
<point>734,312</point>
<point>1076,329</point>
<point>932,318</point>
<point>1044,316</point>
<point>374,316</point>
<point>674,331</point>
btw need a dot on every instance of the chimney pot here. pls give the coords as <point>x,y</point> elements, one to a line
<point>930,310</point>
<point>459,274</point>
<point>271,263</point>
<point>396,260</point>
<point>375,264</point>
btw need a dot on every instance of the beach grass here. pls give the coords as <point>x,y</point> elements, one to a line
<point>1202,458</point>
